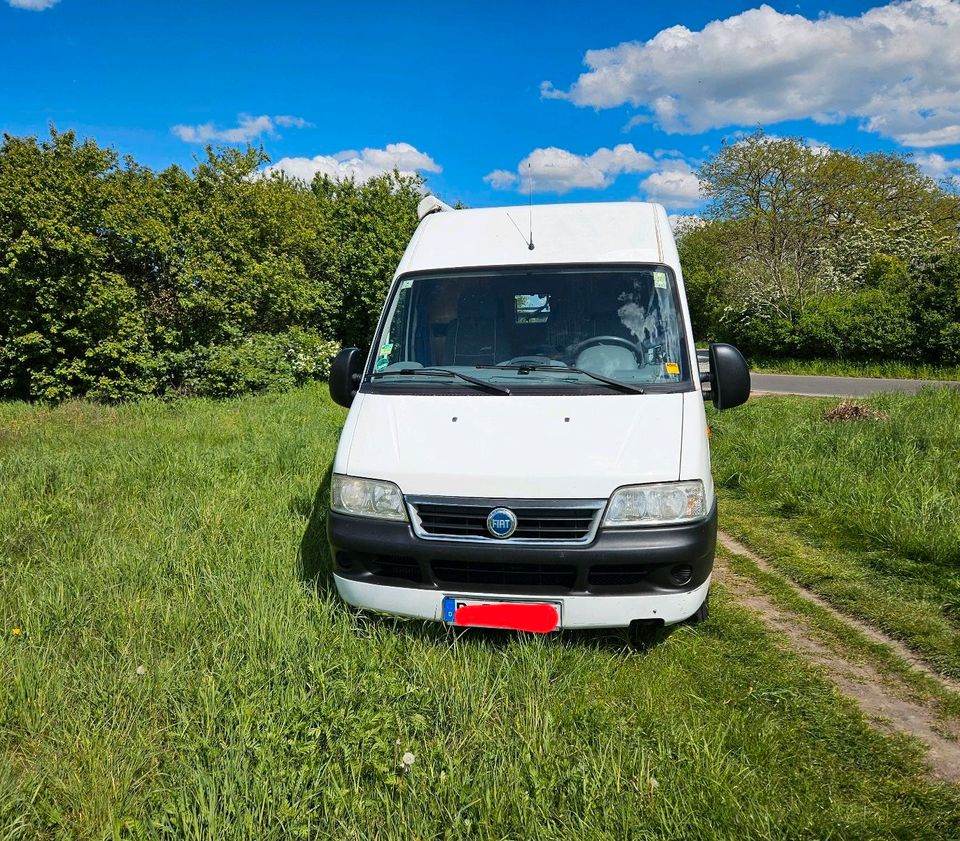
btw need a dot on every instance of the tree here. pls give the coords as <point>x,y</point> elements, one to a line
<point>707,276</point>
<point>802,222</point>
<point>768,192</point>
<point>69,321</point>
<point>118,281</point>
<point>371,224</point>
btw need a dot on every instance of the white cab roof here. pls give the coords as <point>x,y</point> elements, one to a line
<point>610,232</point>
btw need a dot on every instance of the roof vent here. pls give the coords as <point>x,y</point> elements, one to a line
<point>430,204</point>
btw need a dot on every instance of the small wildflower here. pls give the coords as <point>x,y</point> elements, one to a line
<point>407,761</point>
<point>17,631</point>
<point>654,785</point>
<point>141,670</point>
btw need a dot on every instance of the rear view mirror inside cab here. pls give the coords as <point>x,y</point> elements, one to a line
<point>531,309</point>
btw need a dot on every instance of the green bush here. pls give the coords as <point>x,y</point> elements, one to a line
<point>867,324</point>
<point>69,324</point>
<point>757,333</point>
<point>706,278</point>
<point>936,297</point>
<point>118,281</point>
<point>254,363</point>
<point>887,318</point>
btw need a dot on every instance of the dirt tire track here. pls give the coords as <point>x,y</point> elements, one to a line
<point>877,694</point>
<point>737,548</point>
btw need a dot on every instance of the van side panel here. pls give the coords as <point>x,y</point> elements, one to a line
<point>695,446</point>
<point>347,434</point>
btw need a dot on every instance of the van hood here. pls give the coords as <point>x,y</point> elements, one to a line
<point>517,447</point>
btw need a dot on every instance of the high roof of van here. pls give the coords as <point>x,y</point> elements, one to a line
<point>609,232</point>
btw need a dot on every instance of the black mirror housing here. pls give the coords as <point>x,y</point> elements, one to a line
<point>729,376</point>
<point>346,371</point>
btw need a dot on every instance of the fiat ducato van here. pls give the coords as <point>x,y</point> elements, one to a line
<point>526,445</point>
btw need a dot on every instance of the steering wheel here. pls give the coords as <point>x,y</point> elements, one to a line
<point>609,340</point>
<point>542,361</point>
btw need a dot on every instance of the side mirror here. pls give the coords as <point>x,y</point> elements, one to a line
<point>346,371</point>
<point>729,376</point>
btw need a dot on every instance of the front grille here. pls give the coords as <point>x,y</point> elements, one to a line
<point>496,574</point>
<point>533,523</point>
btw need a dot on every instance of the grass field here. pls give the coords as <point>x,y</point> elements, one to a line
<point>840,368</point>
<point>863,512</point>
<point>183,670</point>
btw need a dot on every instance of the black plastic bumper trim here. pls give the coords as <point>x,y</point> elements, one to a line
<point>622,561</point>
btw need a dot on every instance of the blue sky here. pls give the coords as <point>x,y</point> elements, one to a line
<point>479,98</point>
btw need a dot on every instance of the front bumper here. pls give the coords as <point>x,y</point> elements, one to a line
<point>620,576</point>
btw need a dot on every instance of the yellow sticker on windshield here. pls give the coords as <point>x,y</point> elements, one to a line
<point>672,367</point>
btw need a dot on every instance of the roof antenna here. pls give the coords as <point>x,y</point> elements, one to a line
<point>526,239</point>
<point>530,191</point>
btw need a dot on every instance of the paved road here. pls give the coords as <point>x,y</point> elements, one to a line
<point>828,386</point>
<point>836,386</point>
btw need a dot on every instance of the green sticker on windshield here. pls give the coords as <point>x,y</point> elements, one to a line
<point>660,280</point>
<point>380,364</point>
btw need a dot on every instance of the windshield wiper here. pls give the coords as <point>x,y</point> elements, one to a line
<point>444,372</point>
<point>560,369</point>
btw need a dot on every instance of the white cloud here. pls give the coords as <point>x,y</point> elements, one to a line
<point>675,185</point>
<point>248,128</point>
<point>818,147</point>
<point>33,5</point>
<point>553,170</point>
<point>288,121</point>
<point>501,179</point>
<point>946,136</point>
<point>672,181</point>
<point>896,68</point>
<point>937,166</point>
<point>360,166</point>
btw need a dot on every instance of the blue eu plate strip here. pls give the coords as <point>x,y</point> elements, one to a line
<point>449,609</point>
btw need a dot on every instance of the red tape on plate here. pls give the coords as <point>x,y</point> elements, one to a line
<point>538,618</point>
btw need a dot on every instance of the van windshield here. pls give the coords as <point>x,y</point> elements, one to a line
<point>522,328</point>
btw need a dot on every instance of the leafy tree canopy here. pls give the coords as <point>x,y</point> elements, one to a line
<point>118,281</point>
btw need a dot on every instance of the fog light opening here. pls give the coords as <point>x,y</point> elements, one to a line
<point>681,574</point>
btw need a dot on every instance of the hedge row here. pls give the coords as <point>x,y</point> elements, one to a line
<point>911,315</point>
<point>117,281</point>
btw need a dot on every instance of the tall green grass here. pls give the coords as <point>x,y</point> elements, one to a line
<point>878,502</point>
<point>185,671</point>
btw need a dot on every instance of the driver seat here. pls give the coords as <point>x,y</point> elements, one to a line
<point>476,336</point>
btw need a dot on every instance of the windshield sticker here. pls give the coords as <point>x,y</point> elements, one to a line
<point>381,363</point>
<point>660,280</point>
<point>386,349</point>
<point>406,284</point>
<point>672,367</point>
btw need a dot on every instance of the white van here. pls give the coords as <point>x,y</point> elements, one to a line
<point>526,445</point>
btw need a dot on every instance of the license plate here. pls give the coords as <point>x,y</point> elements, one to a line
<point>515,615</point>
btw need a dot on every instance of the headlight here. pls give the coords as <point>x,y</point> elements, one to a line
<point>367,498</point>
<point>656,505</point>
